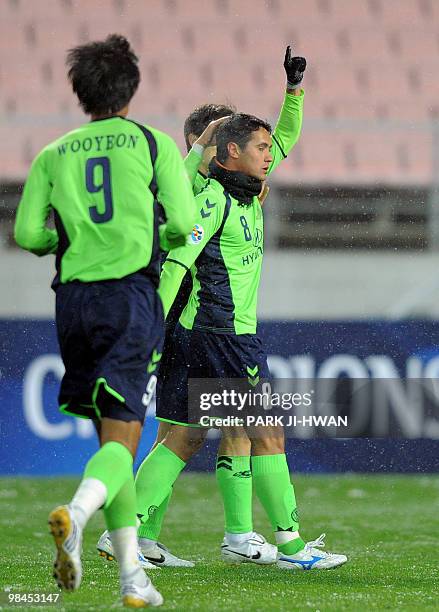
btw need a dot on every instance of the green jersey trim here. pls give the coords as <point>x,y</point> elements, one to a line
<point>64,409</point>
<point>177,422</point>
<point>108,389</point>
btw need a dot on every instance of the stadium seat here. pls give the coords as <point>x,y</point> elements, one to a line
<point>423,43</point>
<point>189,10</point>
<point>317,157</point>
<point>409,13</point>
<point>394,157</point>
<point>328,43</point>
<point>369,43</point>
<point>371,64</point>
<point>351,14</point>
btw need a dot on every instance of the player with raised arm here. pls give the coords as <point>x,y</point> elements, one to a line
<point>102,182</point>
<point>216,337</point>
<point>233,471</point>
<point>217,334</point>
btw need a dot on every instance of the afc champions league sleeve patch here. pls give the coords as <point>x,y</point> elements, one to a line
<point>197,235</point>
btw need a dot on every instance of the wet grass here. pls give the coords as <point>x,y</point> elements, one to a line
<point>387,525</point>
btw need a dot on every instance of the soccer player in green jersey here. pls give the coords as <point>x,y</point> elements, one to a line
<point>103,182</point>
<point>233,471</point>
<point>216,337</point>
<point>233,467</point>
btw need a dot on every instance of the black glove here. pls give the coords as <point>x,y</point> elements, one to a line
<point>294,67</point>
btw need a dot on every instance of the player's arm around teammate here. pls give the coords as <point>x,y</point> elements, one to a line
<point>235,448</point>
<point>182,440</point>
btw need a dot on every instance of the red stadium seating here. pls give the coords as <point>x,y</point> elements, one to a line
<point>371,84</point>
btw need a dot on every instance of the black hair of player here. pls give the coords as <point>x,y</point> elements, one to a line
<point>238,129</point>
<point>104,74</point>
<point>201,116</point>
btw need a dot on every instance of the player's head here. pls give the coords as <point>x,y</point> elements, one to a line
<point>104,75</point>
<point>243,144</point>
<point>200,117</point>
<point>198,121</point>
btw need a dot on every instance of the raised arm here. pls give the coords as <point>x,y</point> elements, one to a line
<point>30,229</point>
<point>289,124</point>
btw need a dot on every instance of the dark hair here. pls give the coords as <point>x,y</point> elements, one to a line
<point>239,129</point>
<point>201,116</point>
<point>104,74</point>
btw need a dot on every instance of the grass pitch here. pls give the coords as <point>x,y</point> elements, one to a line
<point>387,525</point>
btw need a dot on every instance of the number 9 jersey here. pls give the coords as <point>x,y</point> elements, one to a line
<point>103,181</point>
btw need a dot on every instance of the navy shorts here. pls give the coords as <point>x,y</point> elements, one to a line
<point>201,354</point>
<point>167,364</point>
<point>110,335</point>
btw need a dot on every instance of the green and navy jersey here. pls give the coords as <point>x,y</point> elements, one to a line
<point>227,268</point>
<point>198,180</point>
<point>103,181</point>
<point>224,253</point>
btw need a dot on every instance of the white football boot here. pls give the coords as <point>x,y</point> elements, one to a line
<point>160,556</point>
<point>255,549</point>
<point>310,558</point>
<point>105,549</point>
<point>138,594</point>
<point>67,568</point>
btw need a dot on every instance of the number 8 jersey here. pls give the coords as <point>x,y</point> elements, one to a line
<point>103,181</point>
<point>224,253</point>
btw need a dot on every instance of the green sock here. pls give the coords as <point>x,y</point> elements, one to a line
<point>153,526</point>
<point>113,466</point>
<point>275,491</point>
<point>234,480</point>
<point>154,480</point>
<point>122,510</point>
